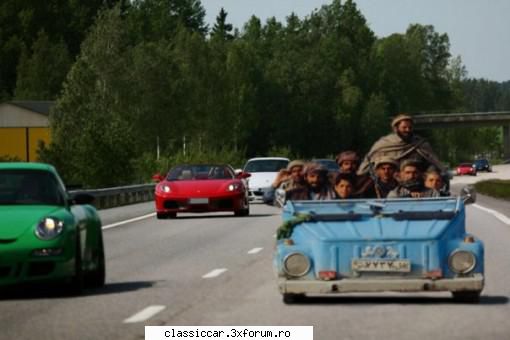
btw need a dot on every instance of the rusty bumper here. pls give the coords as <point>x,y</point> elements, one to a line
<point>474,283</point>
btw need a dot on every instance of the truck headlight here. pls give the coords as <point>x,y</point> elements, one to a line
<point>49,228</point>
<point>462,261</point>
<point>296,264</point>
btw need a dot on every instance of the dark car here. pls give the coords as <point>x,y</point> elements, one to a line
<point>483,165</point>
<point>330,164</point>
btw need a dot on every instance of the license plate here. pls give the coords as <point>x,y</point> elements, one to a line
<point>365,265</point>
<point>198,201</point>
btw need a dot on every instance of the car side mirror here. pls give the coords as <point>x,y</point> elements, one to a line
<point>243,175</point>
<point>82,198</point>
<point>157,177</point>
<point>468,194</point>
<point>71,187</point>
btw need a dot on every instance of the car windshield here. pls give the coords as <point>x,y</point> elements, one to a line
<point>481,162</point>
<point>266,165</point>
<point>199,172</point>
<point>29,187</point>
<point>466,165</point>
<point>330,164</point>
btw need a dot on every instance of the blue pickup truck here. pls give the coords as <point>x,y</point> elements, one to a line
<point>401,245</point>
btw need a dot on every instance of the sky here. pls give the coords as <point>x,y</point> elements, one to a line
<point>479,30</point>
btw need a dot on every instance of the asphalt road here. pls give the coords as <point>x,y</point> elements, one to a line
<point>215,269</point>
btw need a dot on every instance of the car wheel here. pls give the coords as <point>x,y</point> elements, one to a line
<point>164,216</point>
<point>290,298</point>
<point>245,211</point>
<point>467,296</point>
<point>77,281</point>
<point>97,277</point>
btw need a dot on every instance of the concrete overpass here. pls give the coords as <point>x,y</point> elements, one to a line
<point>476,119</point>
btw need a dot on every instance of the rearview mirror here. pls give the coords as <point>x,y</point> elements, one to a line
<point>71,187</point>
<point>157,177</point>
<point>82,198</point>
<point>243,175</point>
<point>468,194</point>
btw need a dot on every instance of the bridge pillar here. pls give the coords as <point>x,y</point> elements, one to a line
<point>506,141</point>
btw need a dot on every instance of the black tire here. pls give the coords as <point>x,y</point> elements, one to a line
<point>97,277</point>
<point>161,216</point>
<point>467,296</point>
<point>244,211</point>
<point>164,216</point>
<point>77,283</point>
<point>290,298</point>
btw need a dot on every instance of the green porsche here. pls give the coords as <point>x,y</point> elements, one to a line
<point>45,234</point>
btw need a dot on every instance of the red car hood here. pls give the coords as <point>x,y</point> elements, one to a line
<point>199,188</point>
<point>465,169</point>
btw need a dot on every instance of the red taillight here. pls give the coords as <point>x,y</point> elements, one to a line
<point>327,275</point>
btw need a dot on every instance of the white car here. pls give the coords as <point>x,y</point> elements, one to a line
<point>263,172</point>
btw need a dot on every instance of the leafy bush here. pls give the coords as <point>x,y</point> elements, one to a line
<point>496,188</point>
<point>8,158</point>
<point>147,165</point>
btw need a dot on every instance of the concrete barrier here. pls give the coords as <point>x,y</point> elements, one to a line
<point>115,197</point>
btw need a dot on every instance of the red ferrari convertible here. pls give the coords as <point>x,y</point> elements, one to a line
<point>201,188</point>
<point>466,169</point>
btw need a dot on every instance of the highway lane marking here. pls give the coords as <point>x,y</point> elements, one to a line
<point>254,251</point>
<point>145,314</point>
<point>117,224</point>
<point>214,273</point>
<point>495,213</point>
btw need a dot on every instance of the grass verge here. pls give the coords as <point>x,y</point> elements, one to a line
<point>497,188</point>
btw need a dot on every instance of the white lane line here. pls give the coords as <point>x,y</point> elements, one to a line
<point>254,251</point>
<point>145,314</point>
<point>495,213</point>
<point>214,273</point>
<point>117,224</point>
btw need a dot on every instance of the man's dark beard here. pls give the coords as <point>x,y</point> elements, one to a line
<point>316,188</point>
<point>407,138</point>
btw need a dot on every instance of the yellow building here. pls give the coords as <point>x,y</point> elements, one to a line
<point>23,125</point>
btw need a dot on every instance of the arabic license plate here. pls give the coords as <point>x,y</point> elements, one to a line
<point>198,201</point>
<point>366,265</point>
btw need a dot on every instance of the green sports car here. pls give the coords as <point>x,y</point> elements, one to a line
<point>46,235</point>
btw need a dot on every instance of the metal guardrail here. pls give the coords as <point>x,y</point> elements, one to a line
<point>114,197</point>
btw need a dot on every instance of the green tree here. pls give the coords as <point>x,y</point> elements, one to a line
<point>152,20</point>
<point>41,73</point>
<point>221,29</point>
<point>92,139</point>
<point>21,21</point>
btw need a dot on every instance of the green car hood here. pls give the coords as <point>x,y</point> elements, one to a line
<point>15,220</point>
